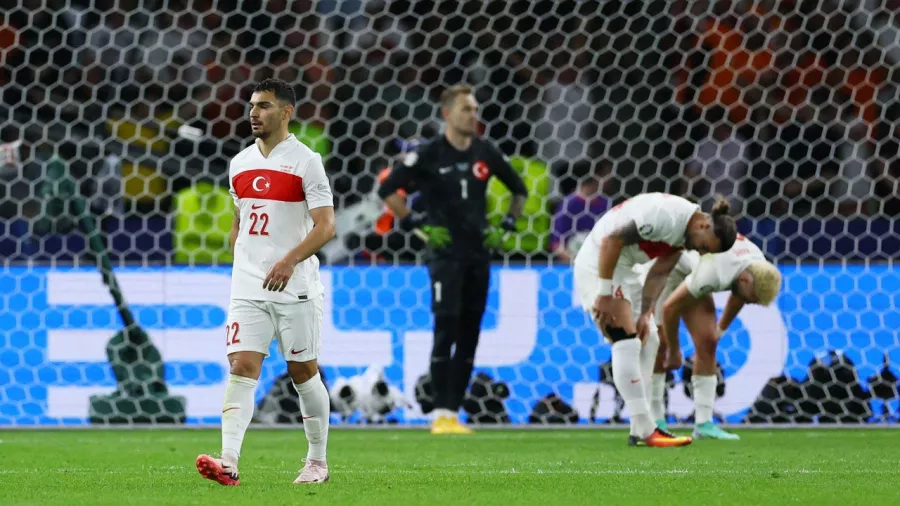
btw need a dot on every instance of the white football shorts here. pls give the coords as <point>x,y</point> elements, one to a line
<point>252,324</point>
<point>626,284</point>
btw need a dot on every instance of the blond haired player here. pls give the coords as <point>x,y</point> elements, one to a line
<point>647,227</point>
<point>284,215</point>
<point>744,271</point>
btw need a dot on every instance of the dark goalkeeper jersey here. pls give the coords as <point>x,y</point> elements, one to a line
<point>452,186</point>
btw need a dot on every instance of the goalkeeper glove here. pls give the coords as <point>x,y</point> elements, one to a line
<point>433,235</point>
<point>494,237</point>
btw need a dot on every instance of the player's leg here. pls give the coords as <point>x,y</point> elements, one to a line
<point>298,328</point>
<point>249,332</point>
<point>658,383</point>
<point>700,321</point>
<point>446,287</point>
<point>649,352</point>
<point>628,375</point>
<point>477,278</point>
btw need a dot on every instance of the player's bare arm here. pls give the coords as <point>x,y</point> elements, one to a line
<point>653,287</point>
<point>517,205</point>
<point>611,248</point>
<point>673,308</point>
<point>235,228</point>
<point>397,204</point>
<point>610,251</point>
<point>323,231</point>
<point>732,308</point>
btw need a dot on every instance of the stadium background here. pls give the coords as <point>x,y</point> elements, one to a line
<point>133,107</point>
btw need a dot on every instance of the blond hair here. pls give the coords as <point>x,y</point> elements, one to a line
<point>766,281</point>
<point>448,97</point>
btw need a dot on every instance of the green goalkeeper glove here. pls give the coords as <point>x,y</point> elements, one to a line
<point>433,235</point>
<point>494,236</point>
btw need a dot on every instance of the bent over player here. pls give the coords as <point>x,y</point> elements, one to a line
<point>647,227</point>
<point>745,272</point>
<point>451,174</point>
<point>284,215</point>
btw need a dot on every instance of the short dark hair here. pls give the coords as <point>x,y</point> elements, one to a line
<point>282,90</point>
<point>448,97</point>
<point>724,225</point>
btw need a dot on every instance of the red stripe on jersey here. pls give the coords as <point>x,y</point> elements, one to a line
<point>267,184</point>
<point>654,249</point>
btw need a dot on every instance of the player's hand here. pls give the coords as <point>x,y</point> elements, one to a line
<point>436,237</point>
<point>674,358</point>
<point>602,311</point>
<point>278,276</point>
<point>493,238</point>
<point>643,326</point>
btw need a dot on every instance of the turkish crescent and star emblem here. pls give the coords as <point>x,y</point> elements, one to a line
<point>261,185</point>
<point>480,170</point>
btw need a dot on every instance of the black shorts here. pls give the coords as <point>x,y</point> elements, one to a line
<point>459,286</point>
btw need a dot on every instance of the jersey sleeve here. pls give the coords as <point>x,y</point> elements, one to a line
<point>316,186</point>
<point>231,190</point>
<point>505,172</point>
<point>401,176</point>
<point>705,279</point>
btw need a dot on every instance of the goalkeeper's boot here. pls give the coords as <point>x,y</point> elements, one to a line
<point>448,425</point>
<point>660,439</point>
<point>710,430</point>
<point>457,427</point>
<point>314,471</point>
<point>662,424</point>
<point>218,470</point>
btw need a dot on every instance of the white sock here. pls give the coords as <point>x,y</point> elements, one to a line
<point>315,408</point>
<point>704,398</point>
<point>437,413</point>
<point>657,396</point>
<point>626,360</point>
<point>648,359</point>
<point>237,412</point>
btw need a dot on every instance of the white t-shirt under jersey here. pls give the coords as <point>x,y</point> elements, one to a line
<point>717,272</point>
<point>661,221</point>
<point>274,195</point>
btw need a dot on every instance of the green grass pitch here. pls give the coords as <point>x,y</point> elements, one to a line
<point>398,467</point>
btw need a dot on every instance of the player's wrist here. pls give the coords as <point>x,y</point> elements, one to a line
<point>508,223</point>
<point>604,288</point>
<point>412,221</point>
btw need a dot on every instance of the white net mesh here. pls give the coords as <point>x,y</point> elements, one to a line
<point>122,117</point>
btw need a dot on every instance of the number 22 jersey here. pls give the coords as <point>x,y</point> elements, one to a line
<point>274,195</point>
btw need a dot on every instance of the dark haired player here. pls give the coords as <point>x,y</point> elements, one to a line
<point>284,214</point>
<point>653,226</point>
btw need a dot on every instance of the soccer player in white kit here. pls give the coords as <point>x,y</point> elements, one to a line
<point>284,214</point>
<point>647,227</point>
<point>744,271</point>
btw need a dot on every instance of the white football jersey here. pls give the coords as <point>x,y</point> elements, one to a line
<point>717,272</point>
<point>274,195</point>
<point>687,262</point>
<point>661,221</point>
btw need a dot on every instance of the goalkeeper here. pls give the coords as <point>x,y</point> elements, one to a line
<point>451,174</point>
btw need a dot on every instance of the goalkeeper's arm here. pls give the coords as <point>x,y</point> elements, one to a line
<point>402,177</point>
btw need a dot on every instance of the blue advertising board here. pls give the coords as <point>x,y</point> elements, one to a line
<point>55,324</point>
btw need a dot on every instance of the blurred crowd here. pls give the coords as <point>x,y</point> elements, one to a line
<point>789,108</point>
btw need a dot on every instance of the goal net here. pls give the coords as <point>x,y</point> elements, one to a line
<point>121,116</point>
